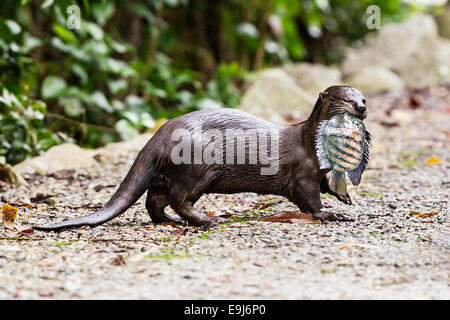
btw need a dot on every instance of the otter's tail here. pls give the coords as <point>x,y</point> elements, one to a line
<point>130,190</point>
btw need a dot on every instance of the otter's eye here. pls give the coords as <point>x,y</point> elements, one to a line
<point>352,103</point>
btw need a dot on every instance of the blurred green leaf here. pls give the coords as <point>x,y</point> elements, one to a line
<point>64,33</point>
<point>53,87</point>
<point>13,26</point>
<point>103,11</point>
<point>94,30</point>
<point>47,3</point>
<point>99,99</point>
<point>125,129</point>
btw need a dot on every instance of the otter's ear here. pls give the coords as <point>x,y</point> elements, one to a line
<point>323,95</point>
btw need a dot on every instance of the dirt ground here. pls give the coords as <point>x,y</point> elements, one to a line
<point>386,253</point>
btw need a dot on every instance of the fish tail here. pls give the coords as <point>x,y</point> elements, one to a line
<point>338,183</point>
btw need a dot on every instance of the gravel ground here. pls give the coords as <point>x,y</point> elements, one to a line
<point>384,254</point>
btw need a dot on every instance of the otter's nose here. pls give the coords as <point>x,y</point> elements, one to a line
<point>361,108</point>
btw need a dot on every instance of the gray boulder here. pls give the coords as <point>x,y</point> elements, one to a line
<point>411,49</point>
<point>314,78</point>
<point>64,156</point>
<point>375,79</point>
<point>71,156</point>
<point>274,94</point>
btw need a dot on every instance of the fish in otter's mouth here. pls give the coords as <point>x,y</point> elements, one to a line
<point>342,145</point>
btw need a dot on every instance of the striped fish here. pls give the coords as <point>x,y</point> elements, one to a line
<point>342,145</point>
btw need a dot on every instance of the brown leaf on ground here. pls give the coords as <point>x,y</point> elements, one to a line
<point>291,217</point>
<point>9,214</point>
<point>15,204</point>
<point>18,230</point>
<point>171,223</point>
<point>118,261</point>
<point>424,215</point>
<point>261,206</point>
<point>218,213</point>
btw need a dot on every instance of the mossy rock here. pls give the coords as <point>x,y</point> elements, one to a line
<point>8,175</point>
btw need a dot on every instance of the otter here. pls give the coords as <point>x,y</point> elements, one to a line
<point>174,173</point>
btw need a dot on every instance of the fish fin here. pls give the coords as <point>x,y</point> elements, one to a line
<point>338,183</point>
<point>320,151</point>
<point>355,175</point>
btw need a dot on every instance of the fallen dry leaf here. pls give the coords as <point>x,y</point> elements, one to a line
<point>171,223</point>
<point>15,204</point>
<point>291,217</point>
<point>181,231</point>
<point>118,261</point>
<point>218,213</point>
<point>265,205</point>
<point>433,160</point>
<point>9,214</point>
<point>424,215</point>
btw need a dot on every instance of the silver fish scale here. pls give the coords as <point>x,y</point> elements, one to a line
<point>339,143</point>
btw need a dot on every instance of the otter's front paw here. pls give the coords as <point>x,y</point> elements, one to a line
<point>345,199</point>
<point>331,216</point>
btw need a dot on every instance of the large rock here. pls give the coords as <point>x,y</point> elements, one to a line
<point>116,149</point>
<point>71,156</point>
<point>411,49</point>
<point>8,175</point>
<point>274,95</point>
<point>314,78</point>
<point>375,79</point>
<point>64,156</point>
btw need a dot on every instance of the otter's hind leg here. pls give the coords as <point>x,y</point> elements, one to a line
<point>182,202</point>
<point>157,200</point>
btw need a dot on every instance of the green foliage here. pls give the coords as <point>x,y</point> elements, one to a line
<point>132,62</point>
<point>22,131</point>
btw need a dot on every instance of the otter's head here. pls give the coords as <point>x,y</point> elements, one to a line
<point>342,99</point>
